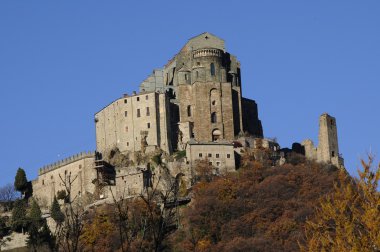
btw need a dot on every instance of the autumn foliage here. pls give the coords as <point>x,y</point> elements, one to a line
<point>258,208</point>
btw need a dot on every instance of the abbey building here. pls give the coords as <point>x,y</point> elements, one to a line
<point>191,109</point>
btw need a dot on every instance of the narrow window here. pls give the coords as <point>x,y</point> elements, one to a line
<point>200,155</point>
<point>189,110</point>
<point>43,182</point>
<point>212,69</point>
<point>125,101</point>
<point>125,113</point>
<point>138,98</point>
<point>228,155</point>
<point>80,166</point>
<point>217,155</point>
<point>213,117</point>
<point>185,76</point>
<point>146,97</point>
<point>126,128</point>
<point>197,74</point>
<point>127,143</point>
<point>147,111</point>
<point>148,125</point>
<point>138,113</point>
<point>333,154</point>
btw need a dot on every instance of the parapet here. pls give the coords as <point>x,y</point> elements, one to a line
<point>66,161</point>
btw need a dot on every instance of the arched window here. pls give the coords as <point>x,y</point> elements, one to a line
<point>189,110</point>
<point>212,69</point>
<point>213,117</point>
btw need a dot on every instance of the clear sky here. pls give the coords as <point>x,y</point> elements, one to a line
<point>62,61</point>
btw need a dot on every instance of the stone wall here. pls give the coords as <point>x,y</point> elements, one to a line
<point>78,168</point>
<point>132,122</point>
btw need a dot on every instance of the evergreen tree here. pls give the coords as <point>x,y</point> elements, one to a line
<point>56,213</point>
<point>39,233</point>
<point>21,182</point>
<point>19,221</point>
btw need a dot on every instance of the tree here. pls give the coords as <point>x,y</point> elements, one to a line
<point>21,182</point>
<point>4,231</point>
<point>96,233</point>
<point>349,218</point>
<point>56,213</point>
<point>19,221</point>
<point>39,235</point>
<point>7,196</point>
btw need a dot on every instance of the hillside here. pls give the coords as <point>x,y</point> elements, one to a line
<point>259,208</point>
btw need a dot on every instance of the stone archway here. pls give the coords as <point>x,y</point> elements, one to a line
<point>216,135</point>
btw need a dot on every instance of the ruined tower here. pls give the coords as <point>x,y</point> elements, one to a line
<point>328,148</point>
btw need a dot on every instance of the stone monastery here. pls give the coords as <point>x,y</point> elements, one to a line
<point>191,109</point>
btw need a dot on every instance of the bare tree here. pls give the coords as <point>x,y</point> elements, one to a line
<point>69,232</point>
<point>7,195</point>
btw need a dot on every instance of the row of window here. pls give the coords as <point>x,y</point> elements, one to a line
<point>217,155</point>
<point>137,99</point>
<point>138,112</point>
<point>147,125</point>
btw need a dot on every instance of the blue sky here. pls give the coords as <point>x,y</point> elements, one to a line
<point>62,61</point>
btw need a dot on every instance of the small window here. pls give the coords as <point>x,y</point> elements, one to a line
<point>209,155</point>
<point>138,113</point>
<point>189,110</point>
<point>126,128</point>
<point>148,125</point>
<point>200,155</point>
<point>125,101</point>
<point>217,155</point>
<point>198,63</point>
<point>228,155</point>
<point>213,103</point>
<point>146,97</point>
<point>185,76</point>
<point>333,154</point>
<point>43,182</point>
<point>125,113</point>
<point>217,163</point>
<point>80,166</point>
<point>212,69</point>
<point>138,98</point>
<point>127,143</point>
<point>197,74</point>
<point>51,177</point>
<point>213,117</point>
<point>210,163</point>
<point>147,111</point>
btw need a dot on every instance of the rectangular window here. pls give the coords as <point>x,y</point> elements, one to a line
<point>126,129</point>
<point>125,101</point>
<point>217,155</point>
<point>147,111</point>
<point>138,113</point>
<point>127,143</point>
<point>146,97</point>
<point>228,155</point>
<point>138,98</point>
<point>200,154</point>
<point>125,113</point>
<point>209,155</point>
<point>148,125</point>
<point>210,163</point>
